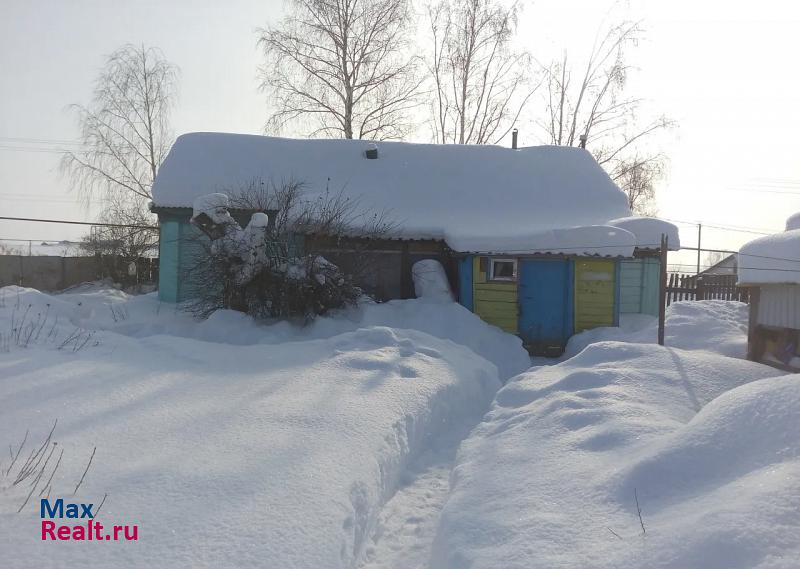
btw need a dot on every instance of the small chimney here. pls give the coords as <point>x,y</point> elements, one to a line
<point>514,139</point>
<point>372,152</point>
<point>583,141</point>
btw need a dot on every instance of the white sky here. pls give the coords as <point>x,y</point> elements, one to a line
<point>725,71</point>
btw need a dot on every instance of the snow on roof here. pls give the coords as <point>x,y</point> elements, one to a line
<point>602,240</point>
<point>481,196</point>
<point>773,259</point>
<point>793,222</point>
<point>648,231</point>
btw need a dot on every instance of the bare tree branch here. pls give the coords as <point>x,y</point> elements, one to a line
<point>125,130</point>
<point>126,136</point>
<point>597,110</point>
<point>340,68</point>
<point>480,84</point>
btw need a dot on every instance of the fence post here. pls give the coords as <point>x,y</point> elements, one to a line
<point>662,292</point>
<point>699,289</point>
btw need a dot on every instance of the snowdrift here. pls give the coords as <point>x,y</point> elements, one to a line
<point>551,477</point>
<point>277,455</point>
<point>714,325</point>
<point>106,309</point>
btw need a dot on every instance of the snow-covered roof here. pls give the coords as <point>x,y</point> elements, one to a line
<point>793,222</point>
<point>648,231</point>
<point>477,198</point>
<point>772,259</point>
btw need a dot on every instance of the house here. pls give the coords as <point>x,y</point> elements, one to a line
<point>769,267</point>
<point>724,267</point>
<point>538,241</point>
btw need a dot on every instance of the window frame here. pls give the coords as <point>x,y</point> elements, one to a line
<point>491,276</point>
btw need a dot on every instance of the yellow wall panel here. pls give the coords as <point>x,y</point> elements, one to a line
<point>594,293</point>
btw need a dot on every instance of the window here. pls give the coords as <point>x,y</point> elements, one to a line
<point>503,270</point>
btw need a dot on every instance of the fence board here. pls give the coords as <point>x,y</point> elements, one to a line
<point>706,287</point>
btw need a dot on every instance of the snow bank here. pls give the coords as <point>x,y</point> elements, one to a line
<point>714,325</point>
<point>549,478</point>
<point>224,455</point>
<point>430,190</point>
<point>772,259</point>
<point>111,310</point>
<point>648,231</point>
<point>430,281</point>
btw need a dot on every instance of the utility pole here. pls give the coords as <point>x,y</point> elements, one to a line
<point>699,232</point>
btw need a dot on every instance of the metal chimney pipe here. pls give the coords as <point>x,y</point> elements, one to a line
<point>514,139</point>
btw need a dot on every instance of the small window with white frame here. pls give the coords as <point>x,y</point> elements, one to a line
<point>503,270</point>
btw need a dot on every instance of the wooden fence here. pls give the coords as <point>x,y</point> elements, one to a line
<point>705,287</point>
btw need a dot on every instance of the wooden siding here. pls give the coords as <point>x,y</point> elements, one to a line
<point>595,292</point>
<point>465,283</point>
<point>630,285</point>
<point>496,303</point>
<point>191,252</point>
<point>638,286</point>
<point>651,283</point>
<point>168,255</point>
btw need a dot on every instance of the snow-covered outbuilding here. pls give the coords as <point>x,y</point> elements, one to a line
<point>538,241</point>
<point>770,267</point>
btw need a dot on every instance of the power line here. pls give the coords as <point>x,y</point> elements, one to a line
<point>48,241</point>
<point>33,149</point>
<point>98,224</point>
<point>764,191</point>
<point>740,228</point>
<point>55,141</point>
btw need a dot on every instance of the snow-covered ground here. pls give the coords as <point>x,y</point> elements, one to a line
<point>352,442</point>
<point>714,325</point>
<point>252,452</point>
<point>706,443</point>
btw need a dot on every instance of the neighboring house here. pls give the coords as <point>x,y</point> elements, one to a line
<point>770,268</point>
<point>726,266</point>
<point>537,240</point>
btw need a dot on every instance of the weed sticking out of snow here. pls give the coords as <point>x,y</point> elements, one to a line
<point>33,477</point>
<point>37,323</point>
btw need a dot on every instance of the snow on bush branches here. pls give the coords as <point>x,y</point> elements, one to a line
<point>253,269</point>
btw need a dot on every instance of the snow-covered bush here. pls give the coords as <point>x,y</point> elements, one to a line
<point>255,269</point>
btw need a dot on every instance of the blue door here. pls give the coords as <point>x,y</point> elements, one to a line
<point>545,298</point>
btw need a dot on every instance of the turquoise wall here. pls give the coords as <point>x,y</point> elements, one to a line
<point>169,259</point>
<point>651,281</point>
<point>178,250</point>
<point>181,251</point>
<point>630,278</point>
<point>639,284</point>
<point>191,253</point>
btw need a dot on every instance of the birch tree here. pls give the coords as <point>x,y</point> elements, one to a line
<point>125,130</point>
<point>341,68</point>
<point>588,105</point>
<point>125,135</point>
<point>481,84</point>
